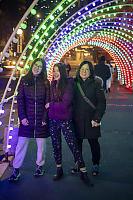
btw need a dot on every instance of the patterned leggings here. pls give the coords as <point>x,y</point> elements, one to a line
<point>66,127</point>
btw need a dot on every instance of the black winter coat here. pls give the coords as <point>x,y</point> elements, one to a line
<point>83,113</point>
<point>31,101</point>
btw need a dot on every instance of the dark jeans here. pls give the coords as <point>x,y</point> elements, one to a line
<point>66,127</point>
<point>95,149</point>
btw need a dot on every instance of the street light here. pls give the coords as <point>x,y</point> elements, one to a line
<point>1,69</point>
<point>13,62</point>
<point>21,62</point>
<point>19,32</point>
<point>38,15</point>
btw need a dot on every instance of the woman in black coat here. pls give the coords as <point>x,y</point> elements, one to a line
<point>87,115</point>
<point>33,94</point>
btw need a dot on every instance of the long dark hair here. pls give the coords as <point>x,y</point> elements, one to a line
<point>43,75</point>
<point>62,82</point>
<point>90,67</point>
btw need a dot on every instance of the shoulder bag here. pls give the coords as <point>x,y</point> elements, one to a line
<point>84,97</point>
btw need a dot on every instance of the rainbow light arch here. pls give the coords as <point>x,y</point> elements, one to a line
<point>95,12</point>
<point>103,23</point>
<point>112,49</point>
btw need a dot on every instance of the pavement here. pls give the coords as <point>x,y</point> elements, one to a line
<point>116,168</point>
<point>4,165</point>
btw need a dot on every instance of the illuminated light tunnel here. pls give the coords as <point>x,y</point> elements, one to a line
<point>103,23</point>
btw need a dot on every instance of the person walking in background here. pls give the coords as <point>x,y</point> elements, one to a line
<point>60,120</point>
<point>68,67</point>
<point>33,94</point>
<point>89,105</point>
<point>102,71</point>
<point>108,82</point>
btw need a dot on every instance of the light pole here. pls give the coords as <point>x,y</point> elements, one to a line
<point>20,41</point>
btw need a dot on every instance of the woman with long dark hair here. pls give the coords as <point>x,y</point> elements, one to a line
<point>33,94</point>
<point>88,108</point>
<point>60,120</point>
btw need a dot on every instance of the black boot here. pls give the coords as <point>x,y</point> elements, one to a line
<point>75,169</point>
<point>59,174</point>
<point>84,177</point>
<point>95,170</point>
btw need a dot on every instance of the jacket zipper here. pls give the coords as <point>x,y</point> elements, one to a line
<point>35,109</point>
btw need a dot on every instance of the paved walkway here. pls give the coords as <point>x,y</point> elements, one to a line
<point>116,178</point>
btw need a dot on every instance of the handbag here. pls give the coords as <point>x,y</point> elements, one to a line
<point>84,97</point>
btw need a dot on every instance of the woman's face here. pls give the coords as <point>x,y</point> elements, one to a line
<point>84,72</point>
<point>56,73</point>
<point>37,68</point>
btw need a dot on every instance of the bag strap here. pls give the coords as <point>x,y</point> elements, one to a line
<point>84,97</point>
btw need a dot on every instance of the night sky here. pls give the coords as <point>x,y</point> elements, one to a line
<point>11,11</point>
<point>12,8</point>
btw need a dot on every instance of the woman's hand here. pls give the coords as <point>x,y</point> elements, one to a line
<point>47,106</point>
<point>25,122</point>
<point>44,123</point>
<point>94,124</point>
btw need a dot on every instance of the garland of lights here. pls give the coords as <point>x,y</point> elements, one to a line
<point>114,7</point>
<point>125,63</point>
<point>98,24</point>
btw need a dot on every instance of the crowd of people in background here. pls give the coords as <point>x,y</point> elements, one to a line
<point>73,107</point>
